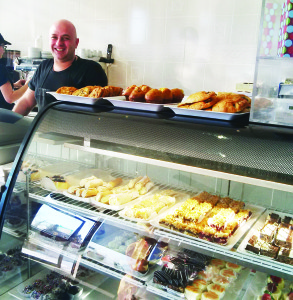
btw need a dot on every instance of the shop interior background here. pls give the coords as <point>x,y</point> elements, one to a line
<point>190,44</point>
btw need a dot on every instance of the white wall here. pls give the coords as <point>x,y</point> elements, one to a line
<point>190,44</point>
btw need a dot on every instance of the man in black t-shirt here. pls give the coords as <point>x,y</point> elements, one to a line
<point>65,69</point>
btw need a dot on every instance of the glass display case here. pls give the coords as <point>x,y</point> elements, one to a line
<point>109,203</point>
<point>273,86</point>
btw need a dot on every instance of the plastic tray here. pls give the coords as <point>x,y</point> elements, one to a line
<point>206,114</point>
<point>254,231</point>
<point>256,212</point>
<point>179,198</point>
<point>77,99</point>
<point>120,101</point>
<point>232,292</point>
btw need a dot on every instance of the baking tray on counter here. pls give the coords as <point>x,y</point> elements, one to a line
<point>205,113</point>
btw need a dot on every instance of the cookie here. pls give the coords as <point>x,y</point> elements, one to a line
<point>204,104</point>
<point>197,97</point>
<point>67,90</point>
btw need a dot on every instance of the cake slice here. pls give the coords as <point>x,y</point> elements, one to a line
<point>285,256</point>
<point>269,250</point>
<point>254,244</point>
<point>283,236</point>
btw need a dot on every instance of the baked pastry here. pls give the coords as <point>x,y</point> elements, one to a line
<point>177,94</point>
<point>192,293</point>
<point>167,95</point>
<point>203,104</point>
<point>84,92</point>
<point>97,92</point>
<point>145,88</point>
<point>210,296</point>
<point>67,90</point>
<point>154,96</point>
<point>231,105</point>
<point>128,91</point>
<point>116,90</point>
<point>137,95</point>
<point>197,97</point>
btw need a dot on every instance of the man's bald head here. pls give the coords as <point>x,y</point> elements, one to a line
<point>64,24</point>
<point>64,41</point>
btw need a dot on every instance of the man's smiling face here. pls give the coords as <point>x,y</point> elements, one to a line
<point>63,41</point>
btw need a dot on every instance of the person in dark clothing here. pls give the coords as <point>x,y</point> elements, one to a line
<point>65,69</point>
<point>10,91</point>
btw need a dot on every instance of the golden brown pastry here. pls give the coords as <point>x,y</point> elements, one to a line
<point>203,104</point>
<point>96,93</point>
<point>137,95</point>
<point>128,91</point>
<point>84,92</point>
<point>197,97</point>
<point>116,91</point>
<point>145,88</point>
<point>167,95</point>
<point>154,96</point>
<point>67,90</point>
<point>178,95</point>
<point>231,105</point>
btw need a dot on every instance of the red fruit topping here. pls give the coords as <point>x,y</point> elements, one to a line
<point>275,279</point>
<point>266,297</point>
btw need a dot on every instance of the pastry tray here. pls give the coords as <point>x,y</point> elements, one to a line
<point>107,177</point>
<point>112,257</point>
<point>120,101</point>
<point>254,230</point>
<point>179,199</point>
<point>232,291</point>
<point>119,207</point>
<point>256,212</point>
<point>77,99</point>
<point>206,114</point>
<point>117,101</point>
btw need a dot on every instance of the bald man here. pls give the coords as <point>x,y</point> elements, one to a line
<point>65,69</point>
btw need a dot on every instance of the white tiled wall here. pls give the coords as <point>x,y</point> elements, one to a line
<point>190,44</point>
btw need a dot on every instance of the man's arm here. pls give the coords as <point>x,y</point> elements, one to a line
<point>26,103</point>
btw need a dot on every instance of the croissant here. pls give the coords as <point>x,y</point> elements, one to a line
<point>137,95</point>
<point>154,96</point>
<point>178,95</point>
<point>167,95</point>
<point>145,88</point>
<point>128,91</point>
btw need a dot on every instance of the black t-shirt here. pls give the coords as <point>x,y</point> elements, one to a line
<point>4,77</point>
<point>81,73</point>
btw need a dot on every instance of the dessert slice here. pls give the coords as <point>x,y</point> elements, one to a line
<point>268,231</point>
<point>254,244</point>
<point>269,250</point>
<point>283,236</point>
<point>192,293</point>
<point>285,256</point>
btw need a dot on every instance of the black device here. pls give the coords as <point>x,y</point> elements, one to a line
<point>108,59</point>
<point>109,51</point>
